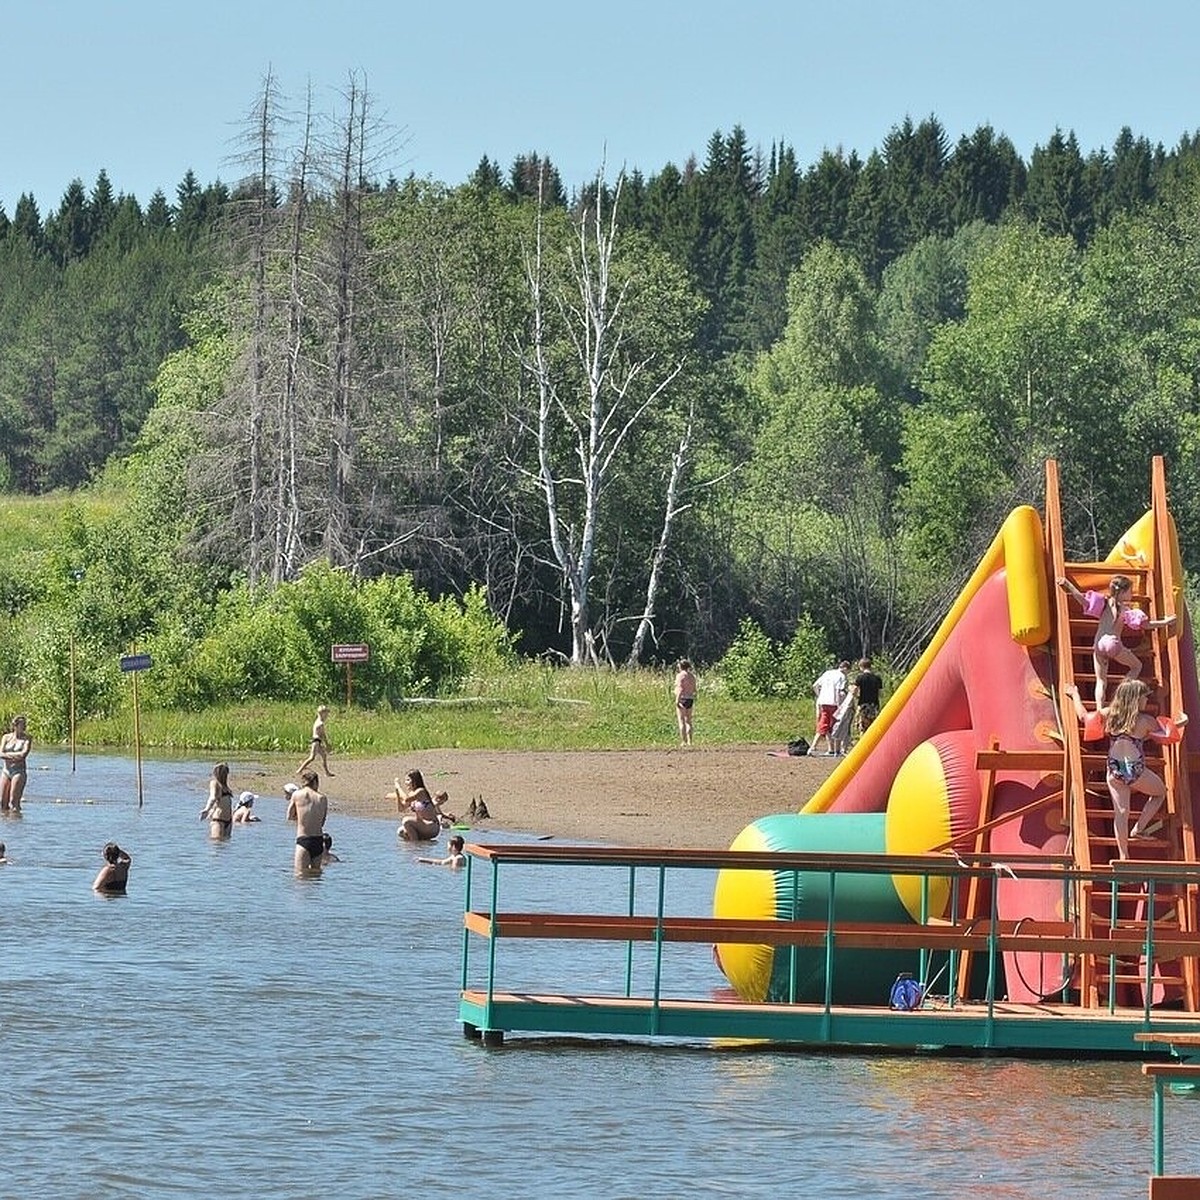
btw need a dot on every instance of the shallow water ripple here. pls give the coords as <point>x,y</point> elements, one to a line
<point>227,1030</point>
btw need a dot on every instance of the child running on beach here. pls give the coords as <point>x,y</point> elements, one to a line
<point>1114,612</point>
<point>1128,726</point>
<point>319,744</point>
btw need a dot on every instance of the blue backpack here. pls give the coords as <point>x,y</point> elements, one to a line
<point>906,993</point>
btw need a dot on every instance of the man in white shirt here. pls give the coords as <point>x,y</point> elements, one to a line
<point>830,691</point>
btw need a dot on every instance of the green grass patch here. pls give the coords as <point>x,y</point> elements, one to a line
<point>530,708</point>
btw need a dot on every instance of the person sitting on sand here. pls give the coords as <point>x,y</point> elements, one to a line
<point>455,860</point>
<point>114,875</point>
<point>244,813</point>
<point>310,808</point>
<point>421,814</point>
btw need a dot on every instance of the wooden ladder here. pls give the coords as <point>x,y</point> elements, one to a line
<point>1093,843</point>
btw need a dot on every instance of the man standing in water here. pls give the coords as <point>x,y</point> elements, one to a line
<point>308,807</point>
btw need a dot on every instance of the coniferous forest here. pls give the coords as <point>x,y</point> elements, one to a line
<point>670,413</point>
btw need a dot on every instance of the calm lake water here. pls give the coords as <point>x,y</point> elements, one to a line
<point>229,1030</point>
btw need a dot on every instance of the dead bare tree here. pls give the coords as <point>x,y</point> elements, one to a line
<point>256,214</point>
<point>593,405</point>
<point>672,509</point>
<point>286,544</point>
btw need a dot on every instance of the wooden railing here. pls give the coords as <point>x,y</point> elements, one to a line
<point>1073,778</point>
<point>1169,599</point>
<point>988,935</point>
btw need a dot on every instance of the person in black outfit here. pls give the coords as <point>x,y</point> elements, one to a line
<point>868,685</point>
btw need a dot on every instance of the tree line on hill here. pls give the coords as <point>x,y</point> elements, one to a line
<point>635,416</point>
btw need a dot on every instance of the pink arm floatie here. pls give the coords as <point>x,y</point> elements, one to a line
<point>1134,618</point>
<point>1093,604</point>
<point>1168,732</point>
<point>1093,727</point>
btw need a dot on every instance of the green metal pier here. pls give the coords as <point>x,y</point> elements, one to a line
<point>640,914</point>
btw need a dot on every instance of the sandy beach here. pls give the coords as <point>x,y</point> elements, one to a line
<point>695,797</point>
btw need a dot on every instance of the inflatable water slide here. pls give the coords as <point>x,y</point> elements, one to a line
<point>979,752</point>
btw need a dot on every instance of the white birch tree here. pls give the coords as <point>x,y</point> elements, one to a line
<point>594,383</point>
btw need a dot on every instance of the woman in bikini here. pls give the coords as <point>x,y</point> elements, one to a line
<point>1128,726</point>
<point>219,809</point>
<point>1114,612</point>
<point>14,751</point>
<point>421,813</point>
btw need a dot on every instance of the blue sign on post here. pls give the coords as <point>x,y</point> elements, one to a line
<point>136,662</point>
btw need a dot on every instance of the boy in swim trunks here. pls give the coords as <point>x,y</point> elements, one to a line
<point>319,744</point>
<point>685,700</point>
<point>1114,612</point>
<point>310,807</point>
<point>455,860</point>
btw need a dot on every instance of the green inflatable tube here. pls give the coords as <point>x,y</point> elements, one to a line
<point>859,976</point>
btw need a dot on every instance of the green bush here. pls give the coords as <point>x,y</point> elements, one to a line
<point>46,673</point>
<point>750,666</point>
<point>804,657</point>
<point>275,645</point>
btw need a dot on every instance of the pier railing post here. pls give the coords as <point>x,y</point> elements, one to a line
<point>658,948</point>
<point>466,933</point>
<point>793,949</point>
<point>629,944</point>
<point>492,939</point>
<point>1149,987</point>
<point>952,983</point>
<point>1112,958</point>
<point>827,1018</point>
<point>993,931</point>
<point>1159,1084</point>
<point>923,968</point>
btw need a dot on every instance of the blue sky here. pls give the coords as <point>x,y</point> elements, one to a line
<point>148,90</point>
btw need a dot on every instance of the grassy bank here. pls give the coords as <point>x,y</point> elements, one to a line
<point>531,708</point>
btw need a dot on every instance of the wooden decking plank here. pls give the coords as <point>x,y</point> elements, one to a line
<point>1035,937</point>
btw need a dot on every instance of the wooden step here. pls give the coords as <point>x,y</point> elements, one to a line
<point>1169,983</point>
<point>1106,568</point>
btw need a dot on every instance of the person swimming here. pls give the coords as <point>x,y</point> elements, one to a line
<point>244,813</point>
<point>455,860</point>
<point>114,875</point>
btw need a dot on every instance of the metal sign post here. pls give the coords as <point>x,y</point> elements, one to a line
<point>71,714</point>
<point>355,652</point>
<point>132,664</point>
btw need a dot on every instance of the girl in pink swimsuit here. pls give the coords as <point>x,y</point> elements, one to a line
<point>1113,612</point>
